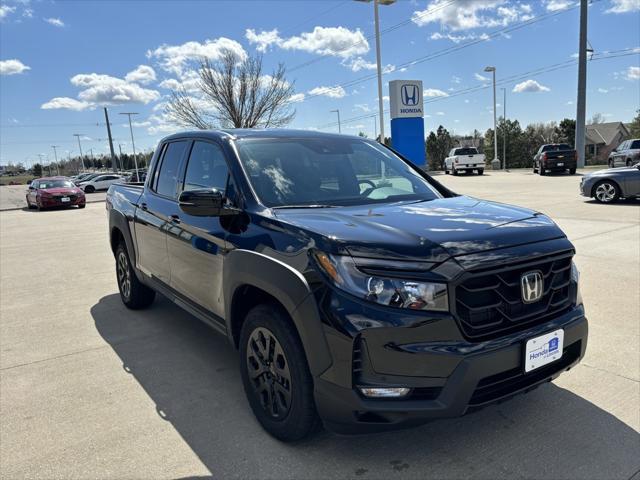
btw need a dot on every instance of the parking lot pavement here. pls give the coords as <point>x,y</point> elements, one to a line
<point>89,389</point>
<point>12,197</point>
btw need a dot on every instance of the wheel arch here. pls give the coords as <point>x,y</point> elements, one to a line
<point>251,278</point>
<point>608,179</point>
<point>118,232</point>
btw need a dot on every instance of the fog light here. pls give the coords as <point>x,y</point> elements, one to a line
<point>388,392</point>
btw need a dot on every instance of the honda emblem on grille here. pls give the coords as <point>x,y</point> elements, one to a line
<point>531,284</point>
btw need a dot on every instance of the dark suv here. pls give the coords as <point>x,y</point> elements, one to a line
<point>360,292</point>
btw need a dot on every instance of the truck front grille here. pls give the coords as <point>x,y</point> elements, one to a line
<point>489,303</point>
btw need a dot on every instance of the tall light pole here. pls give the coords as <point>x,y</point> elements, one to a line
<point>133,144</point>
<point>378,61</point>
<point>375,126</point>
<point>40,155</point>
<point>504,131</point>
<point>78,135</point>
<point>55,155</point>
<point>495,131</point>
<point>582,85</point>
<point>338,112</point>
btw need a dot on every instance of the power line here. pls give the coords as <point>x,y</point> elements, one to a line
<point>506,80</point>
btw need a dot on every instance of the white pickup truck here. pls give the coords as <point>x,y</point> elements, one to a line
<point>464,159</point>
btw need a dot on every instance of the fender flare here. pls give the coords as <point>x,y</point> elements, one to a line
<point>289,287</point>
<point>118,220</point>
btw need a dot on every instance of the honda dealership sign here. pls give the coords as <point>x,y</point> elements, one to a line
<point>407,119</point>
<point>406,98</point>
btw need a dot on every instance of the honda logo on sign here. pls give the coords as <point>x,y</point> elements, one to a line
<point>410,94</point>
<point>532,287</point>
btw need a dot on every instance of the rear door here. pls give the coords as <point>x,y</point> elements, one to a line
<point>196,245</point>
<point>154,209</point>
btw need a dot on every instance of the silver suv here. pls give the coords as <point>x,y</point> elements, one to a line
<point>627,154</point>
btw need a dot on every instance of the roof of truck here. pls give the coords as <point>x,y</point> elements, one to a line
<point>237,133</point>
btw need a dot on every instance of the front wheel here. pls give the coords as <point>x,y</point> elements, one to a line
<point>276,376</point>
<point>572,171</point>
<point>606,192</point>
<point>480,171</point>
<point>134,294</point>
<point>628,162</point>
<point>454,172</point>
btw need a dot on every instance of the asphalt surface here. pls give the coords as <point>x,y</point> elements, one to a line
<point>89,389</point>
<point>12,197</point>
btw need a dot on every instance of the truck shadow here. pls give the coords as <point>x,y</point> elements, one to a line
<point>191,374</point>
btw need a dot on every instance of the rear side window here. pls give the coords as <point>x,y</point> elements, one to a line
<point>168,175</point>
<point>635,145</point>
<point>207,167</point>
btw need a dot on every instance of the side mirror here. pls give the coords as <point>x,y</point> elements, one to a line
<point>206,202</point>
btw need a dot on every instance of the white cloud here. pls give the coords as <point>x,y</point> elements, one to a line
<point>633,73</point>
<point>466,100</point>
<point>360,63</point>
<point>458,38</point>
<point>440,114</point>
<point>362,106</point>
<point>27,13</point>
<point>602,90</point>
<point>334,41</point>
<point>173,58</point>
<point>65,103</point>
<point>530,86</point>
<point>144,74</point>
<point>5,10</point>
<point>434,92</point>
<point>12,67</point>
<point>331,92</point>
<point>555,5</point>
<point>108,90</point>
<point>456,80</point>
<point>297,97</point>
<point>56,22</point>
<point>481,78</point>
<point>624,6</point>
<point>467,14</point>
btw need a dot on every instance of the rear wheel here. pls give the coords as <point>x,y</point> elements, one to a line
<point>454,172</point>
<point>480,171</point>
<point>89,189</point>
<point>606,191</point>
<point>541,170</point>
<point>276,375</point>
<point>134,294</point>
<point>535,169</point>
<point>446,172</point>
<point>572,171</point>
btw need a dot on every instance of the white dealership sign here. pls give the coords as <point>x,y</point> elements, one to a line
<point>406,98</point>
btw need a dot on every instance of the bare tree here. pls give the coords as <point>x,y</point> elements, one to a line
<point>234,93</point>
<point>597,118</point>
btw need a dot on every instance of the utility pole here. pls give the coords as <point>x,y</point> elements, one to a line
<point>78,135</point>
<point>113,155</point>
<point>40,155</point>
<point>375,126</point>
<point>582,85</point>
<point>55,155</point>
<point>504,131</point>
<point>495,130</point>
<point>133,143</point>
<point>338,112</point>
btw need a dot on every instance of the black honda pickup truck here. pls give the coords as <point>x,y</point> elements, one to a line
<point>361,293</point>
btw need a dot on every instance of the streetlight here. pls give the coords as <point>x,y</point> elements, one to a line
<point>78,135</point>
<point>504,128</point>
<point>378,61</point>
<point>133,144</point>
<point>495,132</point>
<point>55,154</point>
<point>338,112</point>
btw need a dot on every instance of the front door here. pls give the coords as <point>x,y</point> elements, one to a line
<point>154,210</point>
<point>196,245</point>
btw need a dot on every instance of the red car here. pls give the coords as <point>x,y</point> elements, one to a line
<point>54,192</point>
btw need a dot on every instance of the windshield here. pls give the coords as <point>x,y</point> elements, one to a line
<point>328,171</point>
<point>55,184</point>
<point>466,151</point>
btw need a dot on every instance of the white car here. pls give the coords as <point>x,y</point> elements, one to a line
<point>101,182</point>
<point>464,159</point>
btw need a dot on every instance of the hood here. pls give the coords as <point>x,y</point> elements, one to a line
<point>609,171</point>
<point>62,191</point>
<point>428,230</point>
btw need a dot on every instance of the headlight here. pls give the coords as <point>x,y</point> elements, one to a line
<point>392,292</point>
<point>575,273</point>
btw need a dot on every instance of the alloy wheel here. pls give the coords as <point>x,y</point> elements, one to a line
<point>605,192</point>
<point>269,373</point>
<point>124,275</point>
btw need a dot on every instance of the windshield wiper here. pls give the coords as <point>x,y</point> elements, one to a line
<point>311,205</point>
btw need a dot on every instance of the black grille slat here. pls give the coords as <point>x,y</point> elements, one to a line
<point>490,301</point>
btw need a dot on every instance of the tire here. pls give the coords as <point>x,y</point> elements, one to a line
<point>82,206</point>
<point>279,388</point>
<point>481,171</point>
<point>29,205</point>
<point>133,293</point>
<point>541,171</point>
<point>89,189</point>
<point>628,162</point>
<point>535,169</point>
<point>572,171</point>
<point>446,172</point>
<point>606,191</point>
<point>611,164</point>
<point>454,172</point>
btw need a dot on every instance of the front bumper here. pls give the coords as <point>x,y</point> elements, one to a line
<point>465,376</point>
<point>47,202</point>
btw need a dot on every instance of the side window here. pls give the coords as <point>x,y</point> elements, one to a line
<point>168,174</point>
<point>207,167</point>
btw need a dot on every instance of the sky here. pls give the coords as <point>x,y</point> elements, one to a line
<point>62,61</point>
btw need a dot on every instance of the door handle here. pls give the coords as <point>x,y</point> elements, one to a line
<point>143,206</point>
<point>174,219</point>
